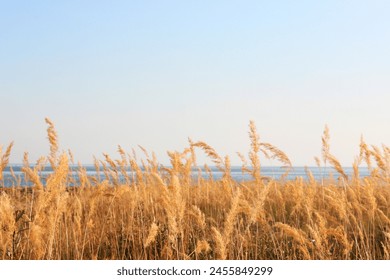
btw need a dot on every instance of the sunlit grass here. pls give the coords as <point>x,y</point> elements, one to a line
<point>156,212</point>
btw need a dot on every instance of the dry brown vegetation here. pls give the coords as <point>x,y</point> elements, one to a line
<point>156,212</point>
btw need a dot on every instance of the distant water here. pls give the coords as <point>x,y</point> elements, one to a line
<point>236,172</point>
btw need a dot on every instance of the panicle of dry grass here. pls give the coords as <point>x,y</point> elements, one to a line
<point>365,152</point>
<point>298,236</point>
<point>325,144</point>
<point>244,167</point>
<point>32,174</point>
<point>276,153</point>
<point>379,158</point>
<point>192,150</point>
<point>318,162</point>
<point>220,245</point>
<point>153,231</point>
<point>337,166</point>
<point>356,172</point>
<point>210,152</point>
<point>199,216</point>
<point>5,159</point>
<point>269,150</point>
<point>53,140</point>
<point>227,175</point>
<point>253,154</point>
<point>327,156</point>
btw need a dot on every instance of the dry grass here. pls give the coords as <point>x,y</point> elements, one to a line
<point>156,212</point>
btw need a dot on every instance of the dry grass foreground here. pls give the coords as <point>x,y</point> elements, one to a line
<point>163,213</point>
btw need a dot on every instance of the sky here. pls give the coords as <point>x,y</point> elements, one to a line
<point>153,73</point>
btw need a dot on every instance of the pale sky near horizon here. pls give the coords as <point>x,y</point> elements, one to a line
<point>154,73</point>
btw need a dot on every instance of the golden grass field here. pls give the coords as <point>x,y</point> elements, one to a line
<point>163,213</point>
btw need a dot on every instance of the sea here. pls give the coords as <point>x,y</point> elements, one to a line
<point>270,172</point>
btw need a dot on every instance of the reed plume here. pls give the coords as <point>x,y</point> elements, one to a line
<point>53,140</point>
<point>5,159</point>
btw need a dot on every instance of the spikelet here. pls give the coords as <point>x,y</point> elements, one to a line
<point>317,234</point>
<point>220,246</point>
<point>276,153</point>
<point>193,155</point>
<point>318,162</point>
<point>33,176</point>
<point>138,173</point>
<point>110,161</point>
<point>57,180</point>
<point>202,246</point>
<point>336,165</point>
<point>290,231</point>
<point>211,153</point>
<point>122,154</point>
<point>379,158</point>
<point>382,216</point>
<point>36,242</point>
<point>365,152</point>
<point>5,159</point>
<point>199,216</point>
<point>309,174</point>
<point>254,137</point>
<point>176,163</point>
<point>158,179</point>
<point>71,157</point>
<point>244,167</point>
<point>253,154</point>
<point>341,237</point>
<point>123,163</point>
<point>227,170</point>
<point>25,159</point>
<point>325,144</point>
<point>298,236</point>
<point>144,151</point>
<point>53,139</point>
<point>13,175</point>
<point>153,231</point>
<point>84,182</point>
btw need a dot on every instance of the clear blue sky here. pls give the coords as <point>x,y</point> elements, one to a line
<point>156,72</point>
